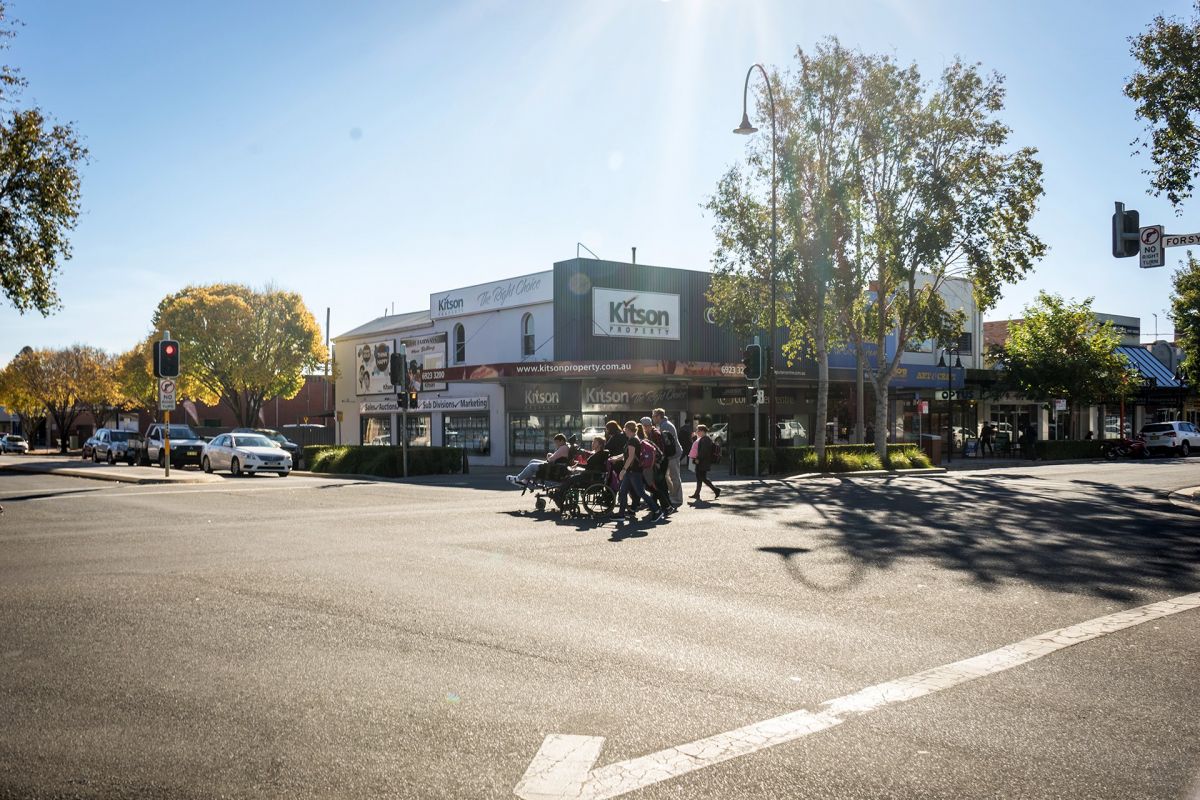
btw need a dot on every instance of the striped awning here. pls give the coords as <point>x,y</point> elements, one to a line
<point>1150,367</point>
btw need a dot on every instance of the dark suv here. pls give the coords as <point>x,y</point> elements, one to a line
<point>293,449</point>
<point>185,446</point>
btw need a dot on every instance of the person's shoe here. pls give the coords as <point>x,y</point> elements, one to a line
<point>695,496</point>
<point>656,516</point>
<point>512,479</point>
<point>716,493</point>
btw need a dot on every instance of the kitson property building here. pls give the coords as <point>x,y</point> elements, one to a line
<point>501,367</point>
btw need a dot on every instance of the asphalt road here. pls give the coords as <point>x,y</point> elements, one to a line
<point>307,637</point>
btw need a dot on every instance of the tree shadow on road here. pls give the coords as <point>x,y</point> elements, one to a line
<point>1114,542</point>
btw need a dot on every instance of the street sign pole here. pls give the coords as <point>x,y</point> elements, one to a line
<point>756,408</point>
<point>404,408</point>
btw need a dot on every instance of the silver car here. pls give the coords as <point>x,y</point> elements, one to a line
<point>245,454</point>
<point>13,443</point>
<point>113,446</point>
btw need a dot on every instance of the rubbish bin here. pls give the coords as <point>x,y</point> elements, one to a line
<point>932,445</point>
<point>73,442</point>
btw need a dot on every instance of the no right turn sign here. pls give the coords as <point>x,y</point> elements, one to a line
<point>1152,251</point>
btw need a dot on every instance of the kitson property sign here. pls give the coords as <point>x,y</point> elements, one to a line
<point>523,291</point>
<point>638,315</point>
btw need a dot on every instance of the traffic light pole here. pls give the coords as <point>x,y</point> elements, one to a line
<point>404,409</point>
<point>757,436</point>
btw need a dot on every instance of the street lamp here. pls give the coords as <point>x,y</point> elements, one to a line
<point>944,361</point>
<point>745,129</point>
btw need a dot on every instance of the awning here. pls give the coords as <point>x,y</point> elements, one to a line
<point>1150,368</point>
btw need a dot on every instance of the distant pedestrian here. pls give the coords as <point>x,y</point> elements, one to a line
<point>702,453</point>
<point>987,438</point>
<point>686,436</point>
<point>1031,441</point>
<point>672,451</point>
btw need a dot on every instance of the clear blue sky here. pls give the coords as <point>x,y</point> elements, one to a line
<point>367,153</point>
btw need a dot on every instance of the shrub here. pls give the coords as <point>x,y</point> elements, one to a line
<point>384,462</point>
<point>899,460</point>
<point>919,460</point>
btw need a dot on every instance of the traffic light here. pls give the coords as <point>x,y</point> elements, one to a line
<point>166,358</point>
<point>1125,227</point>
<point>412,400</point>
<point>752,362</point>
<point>397,372</point>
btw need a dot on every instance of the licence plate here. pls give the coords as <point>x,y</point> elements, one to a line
<point>193,452</point>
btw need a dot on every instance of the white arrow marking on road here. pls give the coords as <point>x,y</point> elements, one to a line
<point>563,767</point>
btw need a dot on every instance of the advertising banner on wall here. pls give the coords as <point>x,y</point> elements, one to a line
<point>634,314</point>
<point>426,355</point>
<point>372,364</point>
<point>614,397</point>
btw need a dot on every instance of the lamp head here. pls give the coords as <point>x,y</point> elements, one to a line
<point>942,359</point>
<point>958,362</point>
<point>745,129</point>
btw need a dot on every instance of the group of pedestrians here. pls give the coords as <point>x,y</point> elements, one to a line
<point>648,456</point>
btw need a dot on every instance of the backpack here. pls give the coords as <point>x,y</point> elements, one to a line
<point>670,445</point>
<point>648,454</point>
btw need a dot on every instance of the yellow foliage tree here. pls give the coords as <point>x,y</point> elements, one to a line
<point>16,396</point>
<point>239,346</point>
<point>62,381</point>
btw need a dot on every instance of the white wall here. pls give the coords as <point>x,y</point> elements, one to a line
<point>494,337</point>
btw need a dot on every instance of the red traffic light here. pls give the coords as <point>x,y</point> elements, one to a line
<point>169,349</point>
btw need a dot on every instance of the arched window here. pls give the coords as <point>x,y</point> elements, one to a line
<point>460,344</point>
<point>527,335</point>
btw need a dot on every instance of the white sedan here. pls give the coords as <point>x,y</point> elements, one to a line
<point>245,454</point>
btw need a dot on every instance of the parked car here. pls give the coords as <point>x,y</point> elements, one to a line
<point>186,446</point>
<point>591,433</point>
<point>245,454</point>
<point>1176,437</point>
<point>113,446</point>
<point>88,451</point>
<point>718,432</point>
<point>293,449</point>
<point>791,429</point>
<point>13,443</point>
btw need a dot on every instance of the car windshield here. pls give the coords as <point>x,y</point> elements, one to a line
<point>1157,427</point>
<point>182,432</point>
<point>275,436</point>
<point>12,437</point>
<point>120,436</point>
<point>251,440</point>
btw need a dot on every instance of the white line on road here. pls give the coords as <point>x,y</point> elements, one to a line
<point>563,767</point>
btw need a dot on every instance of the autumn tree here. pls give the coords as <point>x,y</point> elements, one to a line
<point>240,346</point>
<point>39,194</point>
<point>59,380</point>
<point>16,396</point>
<point>1060,350</point>
<point>100,395</point>
<point>1166,89</point>
<point>134,376</point>
<point>1185,313</point>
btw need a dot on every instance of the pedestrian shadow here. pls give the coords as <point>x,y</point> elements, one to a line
<point>1118,543</point>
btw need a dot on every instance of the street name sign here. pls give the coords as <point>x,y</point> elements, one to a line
<point>1152,250</point>
<point>1181,239</point>
<point>166,394</point>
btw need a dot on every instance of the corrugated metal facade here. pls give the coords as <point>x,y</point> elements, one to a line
<point>579,337</point>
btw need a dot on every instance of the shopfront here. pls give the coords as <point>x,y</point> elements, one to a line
<point>538,411</point>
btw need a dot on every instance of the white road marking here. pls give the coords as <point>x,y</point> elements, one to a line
<point>564,766</point>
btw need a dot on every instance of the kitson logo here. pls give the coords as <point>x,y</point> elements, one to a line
<point>640,315</point>
<point>450,304</point>
<point>626,316</point>
<point>536,397</point>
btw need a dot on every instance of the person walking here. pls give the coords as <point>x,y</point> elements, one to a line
<point>702,457</point>
<point>673,452</point>
<point>685,441</point>
<point>986,438</point>
<point>655,474</point>
<point>632,480</point>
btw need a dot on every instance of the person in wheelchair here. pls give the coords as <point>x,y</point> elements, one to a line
<point>593,468</point>
<point>534,469</point>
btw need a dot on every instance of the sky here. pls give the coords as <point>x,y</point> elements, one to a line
<point>368,153</point>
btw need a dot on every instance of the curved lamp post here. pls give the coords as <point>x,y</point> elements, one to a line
<point>944,361</point>
<point>746,129</point>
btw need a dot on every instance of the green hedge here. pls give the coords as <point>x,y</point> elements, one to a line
<point>1069,449</point>
<point>839,458</point>
<point>385,462</point>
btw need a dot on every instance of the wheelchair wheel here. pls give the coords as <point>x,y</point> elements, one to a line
<point>540,505</point>
<point>598,499</point>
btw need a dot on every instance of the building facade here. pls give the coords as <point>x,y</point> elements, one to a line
<point>499,368</point>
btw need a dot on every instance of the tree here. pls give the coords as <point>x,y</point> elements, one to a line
<point>1185,313</point>
<point>100,394</point>
<point>894,188</point>
<point>1167,92</point>
<point>16,396</point>
<point>134,375</point>
<point>39,196</point>
<point>58,380</point>
<point>1059,349</point>
<point>239,346</point>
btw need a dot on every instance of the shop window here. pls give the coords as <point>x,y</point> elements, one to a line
<point>469,431</point>
<point>527,335</point>
<point>418,430</point>
<point>377,431</point>
<point>531,435</point>
<point>460,344</point>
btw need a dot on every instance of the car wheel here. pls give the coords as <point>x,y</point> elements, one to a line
<point>112,460</point>
<point>284,474</point>
<point>1184,449</point>
<point>162,458</point>
<point>235,468</point>
<point>206,465</point>
<point>95,456</point>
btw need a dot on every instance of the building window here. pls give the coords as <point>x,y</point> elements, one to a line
<point>460,344</point>
<point>376,430</point>
<point>527,335</point>
<point>469,431</point>
<point>532,435</point>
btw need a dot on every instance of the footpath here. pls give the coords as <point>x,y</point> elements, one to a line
<point>76,467</point>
